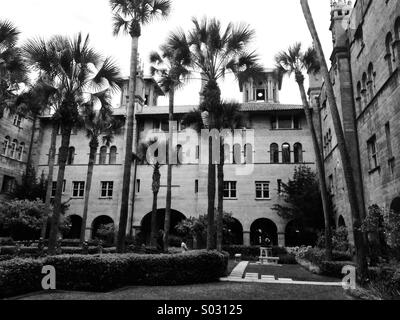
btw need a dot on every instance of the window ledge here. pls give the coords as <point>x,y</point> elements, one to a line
<point>260,199</point>
<point>378,168</point>
<point>231,199</point>
<point>105,198</point>
<point>77,198</point>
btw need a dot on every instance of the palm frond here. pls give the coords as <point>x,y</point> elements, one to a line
<point>120,25</point>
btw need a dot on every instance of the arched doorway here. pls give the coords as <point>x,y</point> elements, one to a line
<point>296,235</point>
<point>341,222</point>
<point>395,206</point>
<point>145,229</point>
<point>103,229</point>
<point>261,229</point>
<point>75,222</point>
<point>233,232</point>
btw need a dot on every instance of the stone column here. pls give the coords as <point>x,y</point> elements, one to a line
<point>281,239</point>
<point>88,233</point>
<point>246,238</point>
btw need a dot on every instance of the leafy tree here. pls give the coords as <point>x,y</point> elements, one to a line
<point>294,60</point>
<point>302,200</point>
<point>129,16</point>
<point>31,187</point>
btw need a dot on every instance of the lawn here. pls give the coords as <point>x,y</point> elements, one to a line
<point>211,291</point>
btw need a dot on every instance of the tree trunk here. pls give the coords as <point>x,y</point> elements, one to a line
<point>167,223</point>
<point>36,124</point>
<point>52,156</point>
<point>211,201</point>
<point>89,176</point>
<point>220,177</point>
<point>154,231</point>
<point>123,219</point>
<point>347,168</point>
<point>55,221</point>
<point>320,169</point>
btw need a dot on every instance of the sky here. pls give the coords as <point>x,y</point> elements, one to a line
<point>278,24</point>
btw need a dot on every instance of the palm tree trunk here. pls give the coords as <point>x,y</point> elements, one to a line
<point>36,124</point>
<point>89,176</point>
<point>167,222</point>
<point>220,177</point>
<point>211,201</point>
<point>154,231</point>
<point>123,219</point>
<point>52,156</point>
<point>55,221</point>
<point>321,171</point>
<point>344,154</point>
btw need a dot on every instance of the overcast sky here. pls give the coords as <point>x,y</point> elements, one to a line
<point>278,24</point>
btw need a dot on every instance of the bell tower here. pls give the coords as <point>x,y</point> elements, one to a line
<point>340,16</point>
<point>263,89</point>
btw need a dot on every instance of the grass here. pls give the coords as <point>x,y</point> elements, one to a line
<point>211,291</point>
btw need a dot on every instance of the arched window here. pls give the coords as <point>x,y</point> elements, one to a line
<point>6,145</point>
<point>298,153</point>
<point>364,88</point>
<point>371,78</point>
<point>71,156</point>
<point>103,155</point>
<point>179,154</point>
<point>13,150</point>
<point>113,155</point>
<point>248,153</point>
<point>21,151</point>
<point>237,154</point>
<point>358,98</point>
<point>397,29</point>
<point>274,150</point>
<point>286,153</point>
<point>227,153</point>
<point>388,56</point>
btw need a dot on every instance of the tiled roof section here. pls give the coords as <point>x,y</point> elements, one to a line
<point>262,106</point>
<point>164,110</point>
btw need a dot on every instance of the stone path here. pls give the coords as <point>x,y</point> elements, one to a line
<point>239,275</point>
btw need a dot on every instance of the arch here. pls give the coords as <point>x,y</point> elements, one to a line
<point>145,225</point>
<point>395,205</point>
<point>261,229</point>
<point>237,154</point>
<point>248,153</point>
<point>21,150</point>
<point>274,150</point>
<point>13,150</point>
<point>103,155</point>
<point>341,222</point>
<point>233,232</point>
<point>298,153</point>
<point>371,78</point>
<point>6,145</point>
<point>388,42</point>
<point>75,222</point>
<point>179,154</point>
<point>227,153</point>
<point>102,222</point>
<point>71,156</point>
<point>286,158</point>
<point>113,155</point>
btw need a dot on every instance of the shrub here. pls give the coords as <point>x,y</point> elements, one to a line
<point>340,240</point>
<point>108,272</point>
<point>6,242</point>
<point>334,268</point>
<point>385,281</point>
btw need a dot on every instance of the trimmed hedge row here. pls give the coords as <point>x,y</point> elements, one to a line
<point>253,252</point>
<point>110,271</point>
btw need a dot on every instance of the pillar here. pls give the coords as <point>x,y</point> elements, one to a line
<point>246,238</point>
<point>281,239</point>
<point>88,233</point>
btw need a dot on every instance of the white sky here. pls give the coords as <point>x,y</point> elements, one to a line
<point>278,24</point>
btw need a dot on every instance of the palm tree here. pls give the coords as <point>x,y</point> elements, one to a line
<point>76,72</point>
<point>97,124</point>
<point>342,147</point>
<point>13,71</point>
<point>147,158</point>
<point>214,53</point>
<point>295,61</point>
<point>172,68</point>
<point>129,16</point>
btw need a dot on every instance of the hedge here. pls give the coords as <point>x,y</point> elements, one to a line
<point>101,273</point>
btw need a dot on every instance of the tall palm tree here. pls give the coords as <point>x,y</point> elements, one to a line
<point>129,16</point>
<point>98,124</point>
<point>13,71</point>
<point>214,53</point>
<point>342,147</point>
<point>171,65</point>
<point>76,72</point>
<point>295,61</point>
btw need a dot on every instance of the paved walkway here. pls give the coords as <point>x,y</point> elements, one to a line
<point>239,274</point>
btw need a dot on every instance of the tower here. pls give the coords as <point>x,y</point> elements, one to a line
<point>340,17</point>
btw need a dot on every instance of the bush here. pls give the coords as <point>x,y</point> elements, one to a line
<point>6,242</point>
<point>385,281</point>
<point>109,272</point>
<point>340,240</point>
<point>334,268</point>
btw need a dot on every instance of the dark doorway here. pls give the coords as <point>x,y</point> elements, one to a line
<point>75,227</point>
<point>262,229</point>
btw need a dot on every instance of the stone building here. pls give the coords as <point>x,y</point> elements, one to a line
<point>365,74</point>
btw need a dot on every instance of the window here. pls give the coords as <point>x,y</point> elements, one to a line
<point>260,95</point>
<point>103,155</point>
<point>6,145</point>
<point>285,122</point>
<point>71,156</point>
<point>371,78</point>
<point>107,188</point>
<point>9,185</point>
<point>17,120</point>
<point>262,190</point>
<point>230,190</point>
<point>196,186</point>
<point>358,98</point>
<point>137,186</point>
<point>388,56</point>
<point>286,153</point>
<point>21,151</point>
<point>248,153</point>
<point>13,150</point>
<point>54,188</point>
<point>389,140</point>
<point>113,155</point>
<point>331,185</point>
<point>298,153</point>
<point>274,150</point>
<point>279,186</point>
<point>179,154</point>
<point>237,154</point>
<point>161,125</point>
<point>372,154</point>
<point>78,189</point>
